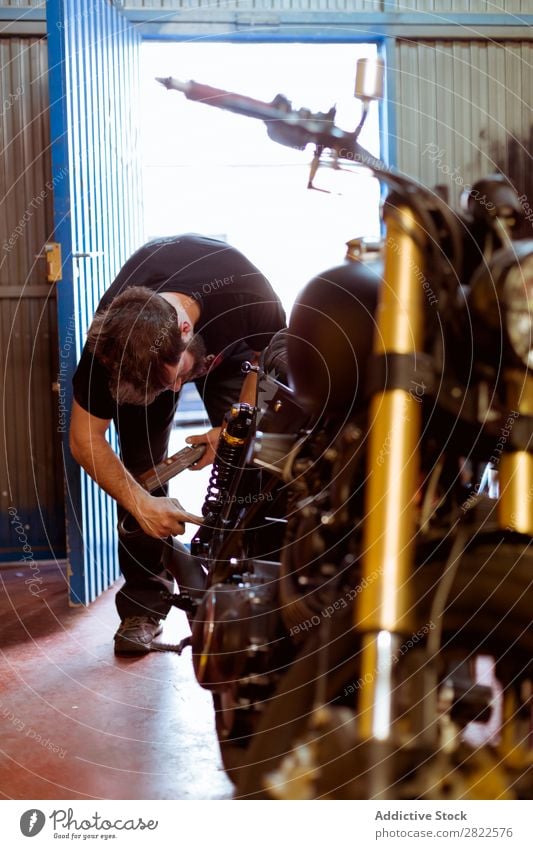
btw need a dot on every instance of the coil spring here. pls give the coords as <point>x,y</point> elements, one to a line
<point>233,438</point>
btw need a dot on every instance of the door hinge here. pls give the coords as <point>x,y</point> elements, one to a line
<point>52,255</point>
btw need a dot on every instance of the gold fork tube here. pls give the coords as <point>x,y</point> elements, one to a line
<point>515,506</point>
<point>384,607</point>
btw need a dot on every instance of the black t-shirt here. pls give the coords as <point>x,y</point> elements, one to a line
<point>237,303</point>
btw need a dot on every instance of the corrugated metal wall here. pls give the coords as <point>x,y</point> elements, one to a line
<point>486,6</point>
<point>464,109</point>
<point>30,469</point>
<point>491,7</point>
<point>262,5</point>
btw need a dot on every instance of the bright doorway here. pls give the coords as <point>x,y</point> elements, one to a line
<point>214,172</point>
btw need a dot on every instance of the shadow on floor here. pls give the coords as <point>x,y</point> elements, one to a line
<point>78,723</point>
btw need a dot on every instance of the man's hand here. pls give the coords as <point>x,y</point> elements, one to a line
<point>163,517</point>
<point>158,517</point>
<point>210,439</point>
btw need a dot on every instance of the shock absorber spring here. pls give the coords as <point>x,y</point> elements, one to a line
<point>233,438</point>
<point>228,461</point>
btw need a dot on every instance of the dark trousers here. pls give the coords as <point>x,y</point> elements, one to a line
<point>144,434</point>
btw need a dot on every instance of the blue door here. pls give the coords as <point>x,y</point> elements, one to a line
<point>93,57</point>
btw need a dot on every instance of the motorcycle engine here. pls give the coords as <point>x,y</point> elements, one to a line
<point>240,650</point>
<point>235,627</point>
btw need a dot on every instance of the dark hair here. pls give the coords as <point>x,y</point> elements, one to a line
<point>135,338</point>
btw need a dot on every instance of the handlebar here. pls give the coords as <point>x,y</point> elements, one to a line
<point>297,128</point>
<point>288,126</point>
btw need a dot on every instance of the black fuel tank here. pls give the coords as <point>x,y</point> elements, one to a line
<point>331,332</point>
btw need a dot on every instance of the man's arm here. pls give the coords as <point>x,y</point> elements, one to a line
<point>210,439</point>
<point>158,517</point>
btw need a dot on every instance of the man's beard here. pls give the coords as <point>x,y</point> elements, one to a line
<point>141,396</point>
<point>196,348</point>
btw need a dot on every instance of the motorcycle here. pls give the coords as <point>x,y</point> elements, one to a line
<point>368,525</point>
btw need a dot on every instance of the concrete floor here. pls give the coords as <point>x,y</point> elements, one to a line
<point>78,723</point>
